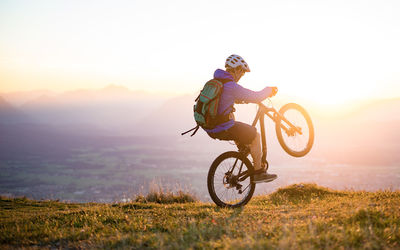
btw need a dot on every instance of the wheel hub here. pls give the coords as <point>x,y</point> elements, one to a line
<point>230,180</point>
<point>292,131</point>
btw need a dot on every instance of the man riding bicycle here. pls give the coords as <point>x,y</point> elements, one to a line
<point>241,133</point>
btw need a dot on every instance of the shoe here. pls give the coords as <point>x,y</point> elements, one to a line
<point>264,177</point>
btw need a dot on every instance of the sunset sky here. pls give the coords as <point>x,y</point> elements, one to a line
<point>327,51</point>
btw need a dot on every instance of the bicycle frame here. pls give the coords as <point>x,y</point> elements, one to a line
<point>276,117</point>
<point>238,180</point>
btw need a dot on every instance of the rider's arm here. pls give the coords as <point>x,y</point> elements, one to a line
<point>246,95</point>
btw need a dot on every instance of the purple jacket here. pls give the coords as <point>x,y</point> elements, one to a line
<point>231,93</point>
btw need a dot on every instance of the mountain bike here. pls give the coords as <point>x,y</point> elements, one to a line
<point>230,177</point>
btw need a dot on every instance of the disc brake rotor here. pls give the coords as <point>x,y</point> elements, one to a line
<point>230,181</point>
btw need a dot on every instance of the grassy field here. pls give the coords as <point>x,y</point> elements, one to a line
<point>300,216</point>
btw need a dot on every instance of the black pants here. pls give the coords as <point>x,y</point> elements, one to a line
<point>240,132</point>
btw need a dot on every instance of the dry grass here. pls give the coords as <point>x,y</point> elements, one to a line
<point>301,216</point>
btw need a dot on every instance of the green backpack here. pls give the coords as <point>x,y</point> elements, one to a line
<point>206,107</point>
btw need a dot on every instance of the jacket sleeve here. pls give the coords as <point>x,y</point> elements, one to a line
<point>246,95</point>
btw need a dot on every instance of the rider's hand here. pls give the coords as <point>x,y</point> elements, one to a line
<point>274,91</point>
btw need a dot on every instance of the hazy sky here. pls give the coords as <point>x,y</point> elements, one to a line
<point>329,51</point>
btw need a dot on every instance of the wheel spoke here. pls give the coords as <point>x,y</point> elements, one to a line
<point>293,142</point>
<point>228,193</point>
<point>296,142</point>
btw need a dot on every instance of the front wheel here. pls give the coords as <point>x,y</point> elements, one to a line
<point>230,180</point>
<point>294,130</point>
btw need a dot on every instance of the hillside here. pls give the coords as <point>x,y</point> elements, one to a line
<point>113,108</point>
<point>10,114</point>
<point>298,216</point>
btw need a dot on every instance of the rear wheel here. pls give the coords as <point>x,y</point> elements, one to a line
<point>227,182</point>
<point>295,132</point>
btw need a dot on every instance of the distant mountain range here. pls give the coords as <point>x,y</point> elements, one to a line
<point>114,108</point>
<point>12,115</point>
<point>368,134</point>
<point>173,117</point>
<point>18,98</point>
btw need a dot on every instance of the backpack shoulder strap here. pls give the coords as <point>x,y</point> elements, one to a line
<point>224,80</point>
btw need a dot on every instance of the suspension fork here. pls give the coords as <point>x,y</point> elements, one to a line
<point>278,117</point>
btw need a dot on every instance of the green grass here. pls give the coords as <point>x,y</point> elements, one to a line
<point>301,216</point>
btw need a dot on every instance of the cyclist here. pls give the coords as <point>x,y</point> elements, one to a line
<point>229,129</point>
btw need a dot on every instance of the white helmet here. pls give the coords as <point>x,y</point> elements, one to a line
<point>234,61</point>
